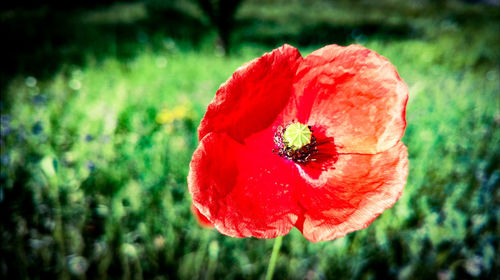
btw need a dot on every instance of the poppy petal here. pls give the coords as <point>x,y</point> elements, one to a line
<point>243,190</point>
<point>251,99</point>
<point>350,196</point>
<point>353,92</point>
<point>202,220</point>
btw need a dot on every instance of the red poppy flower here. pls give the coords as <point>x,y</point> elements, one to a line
<point>312,143</point>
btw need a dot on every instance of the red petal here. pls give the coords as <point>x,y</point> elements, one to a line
<point>352,195</point>
<point>244,190</point>
<point>202,220</point>
<point>356,94</point>
<point>252,98</point>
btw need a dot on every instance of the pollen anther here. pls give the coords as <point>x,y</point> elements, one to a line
<point>297,142</point>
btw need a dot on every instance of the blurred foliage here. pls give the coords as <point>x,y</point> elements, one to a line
<point>221,14</point>
<point>98,123</point>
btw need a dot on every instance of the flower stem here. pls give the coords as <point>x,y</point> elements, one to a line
<point>274,257</point>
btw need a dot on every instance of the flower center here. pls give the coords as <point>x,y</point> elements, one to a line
<point>295,142</point>
<point>297,135</point>
<point>300,143</point>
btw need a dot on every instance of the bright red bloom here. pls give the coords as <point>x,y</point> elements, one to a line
<point>246,182</point>
<point>202,220</point>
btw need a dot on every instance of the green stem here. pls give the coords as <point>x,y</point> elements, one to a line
<point>274,257</point>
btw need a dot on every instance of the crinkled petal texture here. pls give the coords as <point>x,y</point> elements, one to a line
<point>355,94</point>
<point>244,191</point>
<point>352,94</point>
<point>350,196</point>
<point>202,220</point>
<point>252,98</point>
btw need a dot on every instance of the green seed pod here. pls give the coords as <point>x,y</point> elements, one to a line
<point>297,135</point>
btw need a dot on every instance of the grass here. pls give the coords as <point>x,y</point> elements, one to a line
<point>94,160</point>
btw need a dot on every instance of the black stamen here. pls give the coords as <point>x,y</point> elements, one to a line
<point>307,153</point>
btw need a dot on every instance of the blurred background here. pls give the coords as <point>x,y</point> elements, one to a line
<point>100,101</point>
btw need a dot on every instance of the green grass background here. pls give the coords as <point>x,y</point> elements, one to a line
<point>98,131</point>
